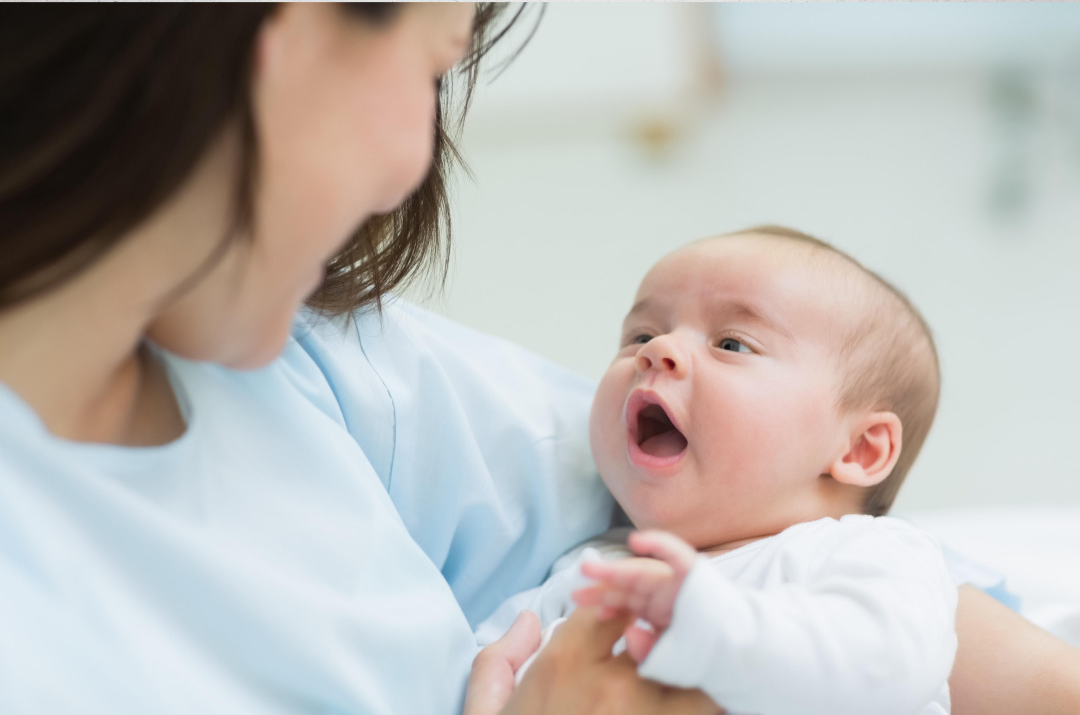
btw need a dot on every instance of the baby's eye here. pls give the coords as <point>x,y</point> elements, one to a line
<point>733,345</point>
<point>641,339</point>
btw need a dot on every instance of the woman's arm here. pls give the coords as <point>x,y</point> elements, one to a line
<point>575,673</point>
<point>1005,664</point>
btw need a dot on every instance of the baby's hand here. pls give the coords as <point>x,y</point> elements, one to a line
<point>647,587</point>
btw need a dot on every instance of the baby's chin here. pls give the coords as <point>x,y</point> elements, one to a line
<point>644,520</point>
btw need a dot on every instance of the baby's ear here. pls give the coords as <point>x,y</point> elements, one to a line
<point>872,450</point>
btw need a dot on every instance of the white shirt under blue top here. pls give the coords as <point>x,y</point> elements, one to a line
<point>322,538</point>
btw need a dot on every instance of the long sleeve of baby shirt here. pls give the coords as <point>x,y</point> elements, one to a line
<point>854,615</point>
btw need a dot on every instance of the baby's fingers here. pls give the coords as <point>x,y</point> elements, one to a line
<point>609,599</point>
<point>664,546</point>
<point>606,571</point>
<point>639,642</point>
<point>589,596</point>
<point>642,575</point>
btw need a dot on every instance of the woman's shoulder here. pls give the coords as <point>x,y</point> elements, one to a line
<point>401,336</point>
<point>411,361</point>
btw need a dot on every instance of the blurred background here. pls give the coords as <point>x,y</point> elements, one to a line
<point>938,143</point>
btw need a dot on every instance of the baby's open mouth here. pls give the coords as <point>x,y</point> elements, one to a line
<point>656,435</point>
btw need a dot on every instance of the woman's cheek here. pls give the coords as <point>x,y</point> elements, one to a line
<point>409,152</point>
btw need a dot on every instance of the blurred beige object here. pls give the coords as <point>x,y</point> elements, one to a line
<point>659,128</point>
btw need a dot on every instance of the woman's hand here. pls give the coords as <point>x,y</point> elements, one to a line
<point>576,673</point>
<point>491,682</point>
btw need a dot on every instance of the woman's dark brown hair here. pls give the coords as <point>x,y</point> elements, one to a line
<point>105,110</point>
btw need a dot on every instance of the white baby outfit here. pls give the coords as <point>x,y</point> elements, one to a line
<point>854,615</point>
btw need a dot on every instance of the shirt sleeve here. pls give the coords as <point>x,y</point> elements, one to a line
<point>871,630</point>
<point>481,444</point>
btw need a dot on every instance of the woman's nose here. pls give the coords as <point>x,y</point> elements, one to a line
<point>663,354</point>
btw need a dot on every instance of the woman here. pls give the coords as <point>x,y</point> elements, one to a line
<point>208,504</point>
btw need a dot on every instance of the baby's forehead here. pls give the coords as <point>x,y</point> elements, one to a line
<point>819,265</point>
<point>753,244</point>
<point>814,278</point>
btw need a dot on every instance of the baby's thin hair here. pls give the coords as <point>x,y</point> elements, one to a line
<point>888,362</point>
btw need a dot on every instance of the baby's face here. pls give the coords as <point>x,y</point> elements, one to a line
<point>718,415</point>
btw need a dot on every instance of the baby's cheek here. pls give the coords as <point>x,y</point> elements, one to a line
<point>605,420</point>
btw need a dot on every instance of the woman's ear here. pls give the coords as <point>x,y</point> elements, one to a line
<point>872,450</point>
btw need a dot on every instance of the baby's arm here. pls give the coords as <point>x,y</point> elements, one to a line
<point>865,624</point>
<point>647,587</point>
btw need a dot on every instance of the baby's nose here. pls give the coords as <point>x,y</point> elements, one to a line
<point>661,353</point>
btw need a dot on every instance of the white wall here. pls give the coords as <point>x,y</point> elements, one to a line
<point>897,165</point>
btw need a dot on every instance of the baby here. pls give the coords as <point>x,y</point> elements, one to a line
<point>768,398</point>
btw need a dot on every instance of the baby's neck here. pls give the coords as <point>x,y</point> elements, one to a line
<point>836,501</point>
<point>727,546</point>
<point>732,545</point>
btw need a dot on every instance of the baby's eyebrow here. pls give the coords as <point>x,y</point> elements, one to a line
<point>752,313</point>
<point>645,305</point>
<point>640,307</point>
<point>732,308</point>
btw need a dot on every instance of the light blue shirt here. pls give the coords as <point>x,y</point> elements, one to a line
<point>322,539</point>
